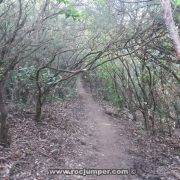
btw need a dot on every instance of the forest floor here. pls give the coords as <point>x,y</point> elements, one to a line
<point>80,134</point>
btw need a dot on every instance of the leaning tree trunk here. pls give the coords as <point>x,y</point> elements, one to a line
<point>3,117</point>
<point>171,26</point>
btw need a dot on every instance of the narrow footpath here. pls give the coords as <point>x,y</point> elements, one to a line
<point>113,148</point>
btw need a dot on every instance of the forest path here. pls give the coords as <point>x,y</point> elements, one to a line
<point>111,140</point>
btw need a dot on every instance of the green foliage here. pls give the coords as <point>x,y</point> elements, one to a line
<point>70,11</point>
<point>110,92</point>
<point>73,13</point>
<point>145,78</point>
<point>63,1</point>
<point>48,78</point>
<point>25,72</point>
<point>1,72</point>
<point>24,75</point>
<point>101,2</point>
<point>176,2</point>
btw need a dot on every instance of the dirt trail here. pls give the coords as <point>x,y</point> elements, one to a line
<point>112,147</point>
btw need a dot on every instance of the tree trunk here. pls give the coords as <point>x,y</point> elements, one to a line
<point>173,30</point>
<point>3,117</point>
<point>38,108</point>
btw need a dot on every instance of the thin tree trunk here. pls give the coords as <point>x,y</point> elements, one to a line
<point>38,108</point>
<point>39,99</point>
<point>3,117</point>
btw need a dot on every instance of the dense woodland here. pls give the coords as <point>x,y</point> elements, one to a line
<point>127,51</point>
